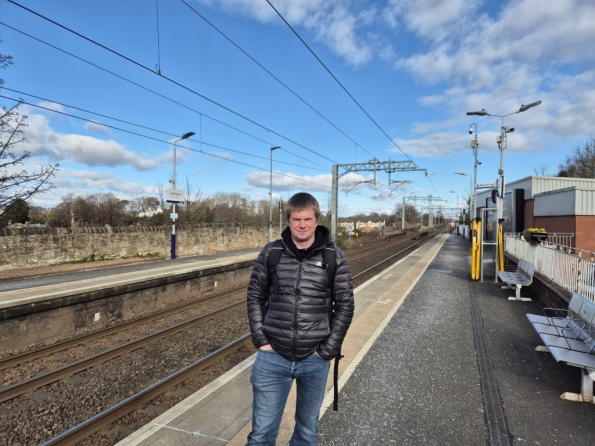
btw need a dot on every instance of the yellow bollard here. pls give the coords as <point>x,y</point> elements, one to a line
<point>478,251</point>
<point>473,249</point>
<point>500,248</point>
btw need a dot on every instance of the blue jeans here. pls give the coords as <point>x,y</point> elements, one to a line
<point>272,376</point>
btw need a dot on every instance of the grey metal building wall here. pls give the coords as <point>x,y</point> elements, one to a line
<point>536,185</point>
<point>568,201</point>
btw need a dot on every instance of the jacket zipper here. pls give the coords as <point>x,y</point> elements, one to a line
<point>295,309</point>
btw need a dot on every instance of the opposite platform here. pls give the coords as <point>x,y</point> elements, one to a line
<point>113,278</point>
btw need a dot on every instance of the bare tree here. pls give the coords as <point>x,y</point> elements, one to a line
<point>195,206</point>
<point>412,215</point>
<point>17,182</point>
<point>542,170</point>
<point>581,162</point>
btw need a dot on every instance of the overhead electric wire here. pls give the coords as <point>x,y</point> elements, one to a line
<point>337,80</point>
<point>344,89</point>
<point>133,83</point>
<point>138,64</point>
<point>272,75</point>
<point>134,124</point>
<point>151,91</point>
<point>168,142</point>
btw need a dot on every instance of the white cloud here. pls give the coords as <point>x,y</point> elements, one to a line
<point>87,182</point>
<point>332,22</point>
<point>42,140</point>
<point>432,19</point>
<point>351,182</point>
<point>52,106</point>
<point>526,40</point>
<point>97,127</point>
<point>289,181</point>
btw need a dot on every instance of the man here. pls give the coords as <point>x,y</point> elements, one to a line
<point>299,317</point>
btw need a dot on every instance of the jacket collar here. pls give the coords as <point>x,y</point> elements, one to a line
<point>321,239</point>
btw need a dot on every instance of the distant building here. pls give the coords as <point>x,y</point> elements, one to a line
<point>348,226</point>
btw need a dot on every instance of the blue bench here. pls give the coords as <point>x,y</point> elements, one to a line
<point>569,336</point>
<point>522,276</point>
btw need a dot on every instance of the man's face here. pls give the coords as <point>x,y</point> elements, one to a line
<point>302,225</point>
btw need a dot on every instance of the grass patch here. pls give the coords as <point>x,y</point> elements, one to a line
<point>142,256</point>
<point>93,258</point>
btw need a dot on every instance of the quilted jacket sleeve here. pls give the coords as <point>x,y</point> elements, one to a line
<point>343,308</point>
<point>257,297</point>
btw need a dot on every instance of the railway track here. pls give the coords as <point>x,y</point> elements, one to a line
<point>364,264</point>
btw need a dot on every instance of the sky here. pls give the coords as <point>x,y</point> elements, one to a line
<point>110,86</point>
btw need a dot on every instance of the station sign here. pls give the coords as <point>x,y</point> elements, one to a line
<point>175,196</point>
<point>485,185</point>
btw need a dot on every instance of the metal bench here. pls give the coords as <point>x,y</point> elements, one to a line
<point>569,336</point>
<point>522,276</point>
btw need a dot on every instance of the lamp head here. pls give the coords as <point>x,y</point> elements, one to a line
<point>528,106</point>
<point>482,112</point>
<point>187,135</point>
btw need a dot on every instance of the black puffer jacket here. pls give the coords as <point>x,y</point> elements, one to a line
<point>297,321</point>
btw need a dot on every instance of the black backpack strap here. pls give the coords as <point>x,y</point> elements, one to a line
<point>274,256</point>
<point>336,382</point>
<point>330,264</point>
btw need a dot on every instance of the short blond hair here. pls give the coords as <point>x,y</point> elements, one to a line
<point>300,202</point>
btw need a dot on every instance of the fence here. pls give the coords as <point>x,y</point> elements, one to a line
<point>571,268</point>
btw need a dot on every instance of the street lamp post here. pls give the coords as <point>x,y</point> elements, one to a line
<point>470,185</point>
<point>174,215</point>
<point>475,147</point>
<point>453,192</point>
<point>271,196</point>
<point>502,145</point>
<point>470,198</point>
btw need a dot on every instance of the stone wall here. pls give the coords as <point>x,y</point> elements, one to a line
<point>47,246</point>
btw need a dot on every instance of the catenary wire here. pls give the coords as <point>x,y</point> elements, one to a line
<point>153,91</point>
<point>134,124</point>
<point>190,90</point>
<point>132,82</point>
<point>169,143</point>
<point>273,76</point>
<point>182,86</point>
<point>343,87</point>
<point>337,80</point>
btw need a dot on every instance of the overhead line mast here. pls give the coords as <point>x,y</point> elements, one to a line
<point>371,166</point>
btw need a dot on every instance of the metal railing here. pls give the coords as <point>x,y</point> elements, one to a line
<point>571,268</point>
<point>565,239</point>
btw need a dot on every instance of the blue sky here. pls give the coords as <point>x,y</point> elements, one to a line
<point>414,66</point>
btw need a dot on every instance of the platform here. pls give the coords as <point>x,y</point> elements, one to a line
<point>31,292</point>
<point>431,358</point>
